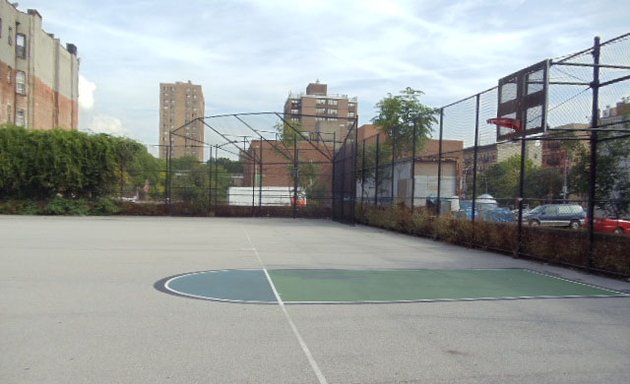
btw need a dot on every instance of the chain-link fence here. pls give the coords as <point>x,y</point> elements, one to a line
<point>257,164</point>
<point>560,161</point>
<point>564,161</point>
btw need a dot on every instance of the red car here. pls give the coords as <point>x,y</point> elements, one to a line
<point>617,226</point>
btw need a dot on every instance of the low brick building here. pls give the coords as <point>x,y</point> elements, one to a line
<point>277,161</point>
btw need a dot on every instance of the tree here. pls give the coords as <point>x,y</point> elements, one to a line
<point>147,175</point>
<point>369,169</point>
<point>189,181</point>
<point>501,180</point>
<point>231,166</point>
<point>399,117</point>
<point>41,164</point>
<point>309,180</point>
<point>612,185</point>
<point>290,131</point>
<point>544,183</point>
<point>402,120</point>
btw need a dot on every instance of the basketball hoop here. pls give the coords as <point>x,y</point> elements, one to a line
<point>506,122</point>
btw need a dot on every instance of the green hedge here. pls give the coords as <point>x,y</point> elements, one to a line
<point>59,206</point>
<point>559,246</point>
<point>39,165</point>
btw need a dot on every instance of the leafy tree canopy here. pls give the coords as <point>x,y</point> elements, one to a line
<point>612,186</point>
<point>401,115</point>
<point>41,164</point>
<point>290,131</point>
<point>231,166</point>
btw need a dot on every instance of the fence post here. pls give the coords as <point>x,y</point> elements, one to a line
<point>593,170</point>
<point>394,143</point>
<point>169,185</point>
<point>354,169</point>
<point>439,184</point>
<point>209,166</point>
<point>362,173</point>
<point>335,186</point>
<point>413,163</point>
<point>253,157</point>
<point>475,155</point>
<point>376,167</point>
<point>260,177</point>
<point>295,174</point>
<point>216,176</point>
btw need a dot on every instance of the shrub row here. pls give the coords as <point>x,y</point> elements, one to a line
<point>60,206</point>
<point>559,246</point>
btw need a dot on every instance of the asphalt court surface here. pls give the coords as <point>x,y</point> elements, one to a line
<point>78,304</point>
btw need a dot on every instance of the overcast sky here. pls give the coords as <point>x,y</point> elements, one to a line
<point>249,54</point>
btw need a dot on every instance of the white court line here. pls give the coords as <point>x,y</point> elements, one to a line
<point>307,352</point>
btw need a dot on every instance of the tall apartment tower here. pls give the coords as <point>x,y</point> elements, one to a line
<point>325,117</point>
<point>180,104</point>
<point>39,78</point>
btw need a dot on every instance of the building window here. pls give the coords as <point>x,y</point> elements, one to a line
<point>20,83</point>
<point>9,75</point>
<point>20,118</point>
<point>10,36</point>
<point>321,110</point>
<point>20,45</point>
<point>0,27</point>
<point>9,113</point>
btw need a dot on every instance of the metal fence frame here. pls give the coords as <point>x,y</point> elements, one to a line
<point>390,170</point>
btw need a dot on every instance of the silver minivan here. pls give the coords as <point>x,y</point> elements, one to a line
<point>556,215</point>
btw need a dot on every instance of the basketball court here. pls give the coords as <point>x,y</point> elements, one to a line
<point>183,300</point>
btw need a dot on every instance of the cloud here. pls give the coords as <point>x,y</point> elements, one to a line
<point>109,125</point>
<point>248,54</point>
<point>86,93</point>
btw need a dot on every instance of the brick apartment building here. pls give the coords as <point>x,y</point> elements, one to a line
<point>326,117</point>
<point>616,117</point>
<point>556,155</point>
<point>180,104</point>
<point>39,78</point>
<point>490,154</point>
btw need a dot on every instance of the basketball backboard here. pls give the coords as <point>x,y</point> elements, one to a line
<point>523,96</point>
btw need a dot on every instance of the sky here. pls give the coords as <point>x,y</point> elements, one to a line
<point>248,55</point>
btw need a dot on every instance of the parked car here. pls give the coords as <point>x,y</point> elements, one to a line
<point>610,225</point>
<point>486,208</point>
<point>556,215</point>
